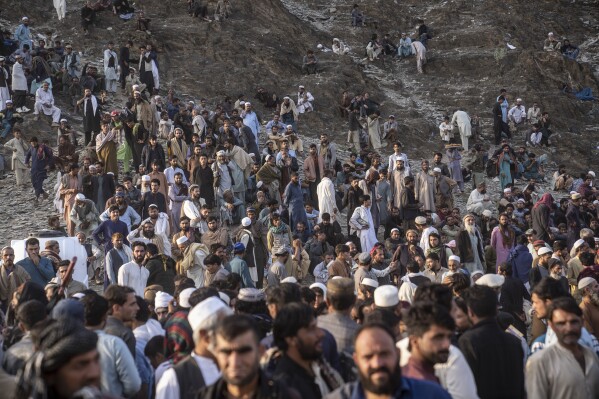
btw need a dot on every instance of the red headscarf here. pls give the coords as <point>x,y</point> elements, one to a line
<point>546,199</point>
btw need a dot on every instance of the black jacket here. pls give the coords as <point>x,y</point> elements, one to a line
<point>496,359</point>
<point>162,272</point>
<point>268,389</point>
<point>296,377</point>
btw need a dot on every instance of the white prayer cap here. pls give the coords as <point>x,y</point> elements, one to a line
<point>544,251</point>
<point>182,240</point>
<point>319,46</point>
<point>184,297</point>
<point>370,282</point>
<point>336,278</point>
<point>8,101</point>
<point>421,220</point>
<point>301,87</point>
<point>521,200</point>
<point>550,34</point>
<point>162,299</point>
<point>135,87</point>
<point>145,178</point>
<point>25,19</point>
<point>335,39</point>
<point>289,127</point>
<point>157,98</point>
<point>455,257</point>
<point>80,295</point>
<point>491,280</point>
<point>585,282</point>
<point>289,279</point>
<point>518,100</point>
<point>320,286</point>
<point>487,213</point>
<point>438,170</point>
<point>591,173</point>
<point>137,92</point>
<point>110,173</point>
<point>250,295</point>
<point>221,152</point>
<point>248,103</point>
<point>261,183</point>
<point>204,310</point>
<point>245,222</point>
<point>395,229</point>
<point>268,157</point>
<point>225,298</point>
<point>80,197</point>
<point>251,154</point>
<point>286,98</point>
<point>62,120</point>
<point>386,296</point>
<point>578,243</point>
<point>507,190</point>
<point>451,244</point>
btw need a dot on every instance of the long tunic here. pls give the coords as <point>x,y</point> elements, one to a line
<point>502,251</point>
<point>425,190</point>
<point>554,373</point>
<point>455,167</point>
<point>505,175</point>
<point>397,184</point>
<point>367,236</point>
<point>326,197</point>
<point>40,157</point>
<point>293,198</point>
<point>107,153</point>
<point>384,190</point>
<point>19,148</point>
<point>374,133</point>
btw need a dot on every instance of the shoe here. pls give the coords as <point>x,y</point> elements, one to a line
<point>54,124</point>
<point>19,110</point>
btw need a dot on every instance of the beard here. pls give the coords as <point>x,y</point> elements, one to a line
<point>308,352</point>
<point>149,234</point>
<point>139,259</point>
<point>470,228</point>
<point>242,380</point>
<point>595,299</point>
<point>387,387</point>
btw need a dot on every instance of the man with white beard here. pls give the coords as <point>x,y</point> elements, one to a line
<point>470,245</point>
<point>361,222</point>
<point>326,196</point>
<point>589,288</point>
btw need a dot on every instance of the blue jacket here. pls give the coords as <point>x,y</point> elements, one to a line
<point>521,260</point>
<point>239,266</point>
<point>40,274</point>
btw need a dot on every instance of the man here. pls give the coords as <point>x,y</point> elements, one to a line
<point>196,209</point>
<point>379,374</point>
<point>362,224</point>
<point>192,264</point>
<point>425,231</point>
<point>146,233</point>
<point>340,300</point>
<point>566,369</point>
<point>73,286</point>
<point>148,69</point>
<point>11,276</point>
<point>240,267</point>
<point>44,102</point>
<point>293,198</point>
<point>574,218</point>
<point>104,232</point>
<point>425,188</point>
<point>300,339</point>
<point>19,84</point>
<point>27,316</point>
<point>409,207</point>
<point>122,309</point>
<point>236,349</point>
<point>124,60</point>
<point>462,121</point>
<point>517,116</point>
<point>19,148</point>
<point>134,274</point>
<point>325,192</point>
<point>541,270</point>
<point>39,268</point>
<point>504,376</point>
<point>119,374</point>
<point>470,245</point>
<point>430,328</point>
<point>40,156</point>
<point>91,115</point>
<point>8,115</point>
<point>313,171</point>
<point>503,239</point>
<point>68,362</point>
<point>434,271</point>
<point>198,370</point>
<point>478,201</point>
<point>589,288</point>
<point>127,214</point>
<point>365,270</point>
<point>153,197</point>
<point>397,180</point>
<point>111,63</point>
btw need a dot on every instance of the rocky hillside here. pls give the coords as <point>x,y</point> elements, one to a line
<point>263,44</point>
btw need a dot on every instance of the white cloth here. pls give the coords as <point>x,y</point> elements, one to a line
<point>454,375</point>
<point>367,236</point>
<point>517,114</point>
<point>326,198</point>
<point>162,225</point>
<point>476,203</point>
<point>44,102</point>
<point>134,276</point>
<point>445,130</point>
<point>110,72</point>
<point>19,81</point>
<point>61,8</point>
<point>168,387</point>
<point>135,235</point>
<point>393,160</point>
<point>152,328</point>
<point>424,243</point>
<point>304,105</point>
<point>462,119</point>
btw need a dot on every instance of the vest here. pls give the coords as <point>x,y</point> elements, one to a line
<point>116,259</point>
<point>189,377</point>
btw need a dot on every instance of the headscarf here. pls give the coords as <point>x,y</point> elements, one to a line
<point>546,199</point>
<point>56,345</point>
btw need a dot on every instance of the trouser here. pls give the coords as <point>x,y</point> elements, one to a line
<point>19,97</point>
<point>477,177</point>
<point>54,111</point>
<point>419,63</point>
<point>111,85</point>
<point>464,142</point>
<point>312,187</point>
<point>123,76</point>
<point>20,175</point>
<point>353,136</point>
<point>6,128</point>
<point>61,10</point>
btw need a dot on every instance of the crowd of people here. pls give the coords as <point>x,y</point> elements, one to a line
<point>230,256</point>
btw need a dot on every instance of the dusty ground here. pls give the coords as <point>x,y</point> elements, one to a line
<point>264,41</point>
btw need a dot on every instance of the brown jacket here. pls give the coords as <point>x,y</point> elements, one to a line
<point>310,168</point>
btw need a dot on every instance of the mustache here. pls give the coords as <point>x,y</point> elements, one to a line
<point>378,370</point>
